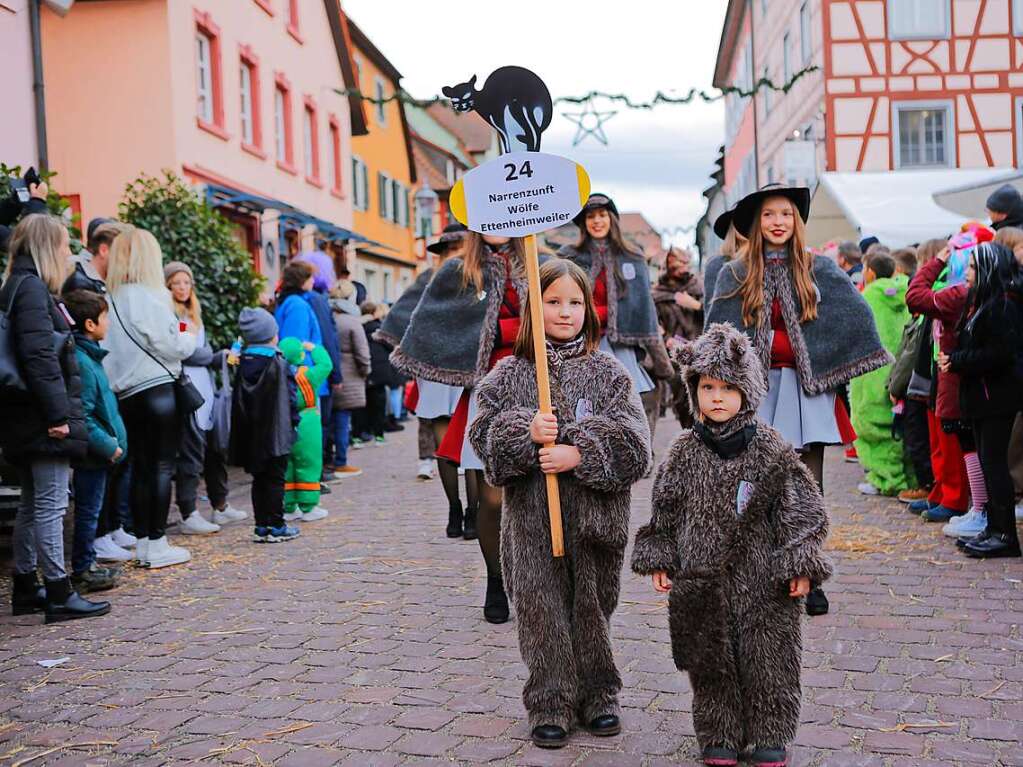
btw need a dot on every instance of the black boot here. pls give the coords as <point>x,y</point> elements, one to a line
<point>469,526</point>
<point>549,736</point>
<point>64,604</point>
<point>817,602</point>
<point>28,595</point>
<point>995,545</point>
<point>495,607</point>
<point>455,520</point>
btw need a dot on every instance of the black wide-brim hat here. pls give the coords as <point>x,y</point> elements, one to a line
<point>747,207</point>
<point>723,223</point>
<point>596,200</point>
<point>452,233</point>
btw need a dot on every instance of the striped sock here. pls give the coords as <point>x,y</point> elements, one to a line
<point>975,474</point>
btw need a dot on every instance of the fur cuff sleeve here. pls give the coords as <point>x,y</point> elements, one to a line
<point>802,525</point>
<point>804,559</point>
<point>654,550</point>
<point>503,443</point>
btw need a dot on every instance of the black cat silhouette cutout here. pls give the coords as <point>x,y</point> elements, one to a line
<point>514,101</point>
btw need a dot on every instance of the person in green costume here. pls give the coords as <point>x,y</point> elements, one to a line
<point>881,455</point>
<point>305,466</point>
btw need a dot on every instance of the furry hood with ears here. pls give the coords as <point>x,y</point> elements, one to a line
<point>724,353</point>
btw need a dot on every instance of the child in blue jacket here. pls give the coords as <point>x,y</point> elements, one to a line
<point>108,438</point>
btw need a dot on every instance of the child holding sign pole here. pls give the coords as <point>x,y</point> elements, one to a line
<point>601,447</point>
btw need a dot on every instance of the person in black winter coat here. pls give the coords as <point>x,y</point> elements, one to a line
<point>1005,207</point>
<point>372,419</point>
<point>44,428</point>
<point>987,359</point>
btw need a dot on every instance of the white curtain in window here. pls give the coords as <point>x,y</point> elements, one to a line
<point>282,154</point>
<point>245,89</point>
<point>918,18</point>
<point>204,78</point>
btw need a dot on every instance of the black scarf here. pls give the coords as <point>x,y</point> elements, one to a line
<point>729,445</point>
<point>558,353</point>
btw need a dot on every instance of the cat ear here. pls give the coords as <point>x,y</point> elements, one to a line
<point>472,81</point>
<point>447,91</point>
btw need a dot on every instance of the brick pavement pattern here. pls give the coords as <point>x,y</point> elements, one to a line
<point>363,644</point>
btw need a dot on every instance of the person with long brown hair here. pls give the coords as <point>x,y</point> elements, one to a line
<point>621,292</point>
<point>809,325</point>
<point>465,323</point>
<point>563,605</point>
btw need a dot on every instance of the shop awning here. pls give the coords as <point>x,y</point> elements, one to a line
<point>218,195</point>
<point>898,207</point>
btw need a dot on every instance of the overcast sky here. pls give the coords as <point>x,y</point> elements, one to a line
<point>657,162</point>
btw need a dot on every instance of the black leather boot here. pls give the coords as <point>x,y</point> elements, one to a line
<point>455,520</point>
<point>28,595</point>
<point>64,604</point>
<point>995,545</point>
<point>549,736</point>
<point>495,608</point>
<point>469,525</point>
<point>605,726</point>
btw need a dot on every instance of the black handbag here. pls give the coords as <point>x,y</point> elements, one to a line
<point>187,399</point>
<point>11,379</point>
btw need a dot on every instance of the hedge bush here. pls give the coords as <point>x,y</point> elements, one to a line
<point>190,231</point>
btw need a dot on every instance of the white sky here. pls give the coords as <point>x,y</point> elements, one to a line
<point>657,162</point>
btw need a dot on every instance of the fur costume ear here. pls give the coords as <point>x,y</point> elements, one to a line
<point>683,354</point>
<point>737,346</point>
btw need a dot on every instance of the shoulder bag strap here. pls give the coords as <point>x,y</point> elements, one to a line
<point>146,351</point>
<point>14,293</point>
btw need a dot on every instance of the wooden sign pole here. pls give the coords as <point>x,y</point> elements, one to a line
<point>543,385</point>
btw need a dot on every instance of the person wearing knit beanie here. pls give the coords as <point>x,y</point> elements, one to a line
<point>257,326</point>
<point>1005,207</point>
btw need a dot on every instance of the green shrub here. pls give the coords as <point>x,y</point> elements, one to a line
<point>190,231</point>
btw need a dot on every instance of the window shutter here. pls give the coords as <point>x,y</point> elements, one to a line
<point>382,193</point>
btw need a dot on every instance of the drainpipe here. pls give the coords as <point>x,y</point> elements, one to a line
<point>753,65</point>
<point>37,83</point>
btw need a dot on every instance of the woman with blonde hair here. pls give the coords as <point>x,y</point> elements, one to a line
<point>43,426</point>
<point>196,455</point>
<point>811,328</point>
<point>147,344</point>
<point>465,323</point>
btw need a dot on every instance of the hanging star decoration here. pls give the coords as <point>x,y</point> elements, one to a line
<point>590,122</point>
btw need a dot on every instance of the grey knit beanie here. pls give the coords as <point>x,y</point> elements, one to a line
<point>173,267</point>
<point>257,325</point>
<point>1005,199</point>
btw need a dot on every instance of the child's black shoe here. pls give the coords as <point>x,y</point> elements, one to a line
<point>719,756</point>
<point>817,602</point>
<point>549,736</point>
<point>469,532</point>
<point>769,757</point>
<point>605,726</point>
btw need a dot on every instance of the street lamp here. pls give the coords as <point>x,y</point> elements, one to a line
<point>426,204</point>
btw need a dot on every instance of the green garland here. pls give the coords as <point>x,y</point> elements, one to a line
<point>659,98</point>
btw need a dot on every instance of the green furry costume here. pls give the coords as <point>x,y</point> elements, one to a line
<point>881,456</point>
<point>305,466</point>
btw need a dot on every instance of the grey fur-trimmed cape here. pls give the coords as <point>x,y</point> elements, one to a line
<point>841,344</point>
<point>397,320</point>
<point>452,331</point>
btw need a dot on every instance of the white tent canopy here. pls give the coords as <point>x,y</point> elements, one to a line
<point>898,207</point>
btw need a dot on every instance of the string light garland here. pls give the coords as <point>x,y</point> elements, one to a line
<point>660,98</point>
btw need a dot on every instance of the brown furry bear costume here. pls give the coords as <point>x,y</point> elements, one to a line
<point>733,625</point>
<point>563,606</point>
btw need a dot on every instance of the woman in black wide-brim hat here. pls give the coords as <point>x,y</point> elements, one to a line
<point>809,324</point>
<point>622,295</point>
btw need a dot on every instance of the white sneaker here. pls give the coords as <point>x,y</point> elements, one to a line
<point>229,514</point>
<point>196,524</point>
<point>967,525</point>
<point>461,471</point>
<point>425,470</point>
<point>123,539</point>
<point>161,554</point>
<point>314,514</point>
<point>108,551</point>
<point>867,489</point>
<point>142,553</point>
<point>291,516</point>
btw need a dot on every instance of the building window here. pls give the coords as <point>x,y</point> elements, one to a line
<point>282,124</point>
<point>385,196</point>
<point>209,90</point>
<point>334,153</point>
<point>387,286</point>
<point>805,34</point>
<point>293,28</point>
<point>786,57</point>
<point>360,185</point>
<point>1017,17</point>
<point>311,141</point>
<point>250,116</point>
<point>449,171</point>
<point>381,108</point>
<point>918,19</point>
<point>924,135</point>
<point>763,7</point>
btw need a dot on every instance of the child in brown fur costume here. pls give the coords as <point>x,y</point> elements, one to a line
<point>735,538</point>
<point>563,606</point>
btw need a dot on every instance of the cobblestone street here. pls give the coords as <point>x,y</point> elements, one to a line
<point>363,644</point>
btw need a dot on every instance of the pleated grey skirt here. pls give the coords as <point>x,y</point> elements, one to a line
<point>469,458</point>
<point>627,356</point>
<point>436,400</point>
<point>800,418</point>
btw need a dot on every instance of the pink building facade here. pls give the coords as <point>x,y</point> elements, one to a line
<point>901,84</point>
<point>18,126</point>
<point>239,97</point>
